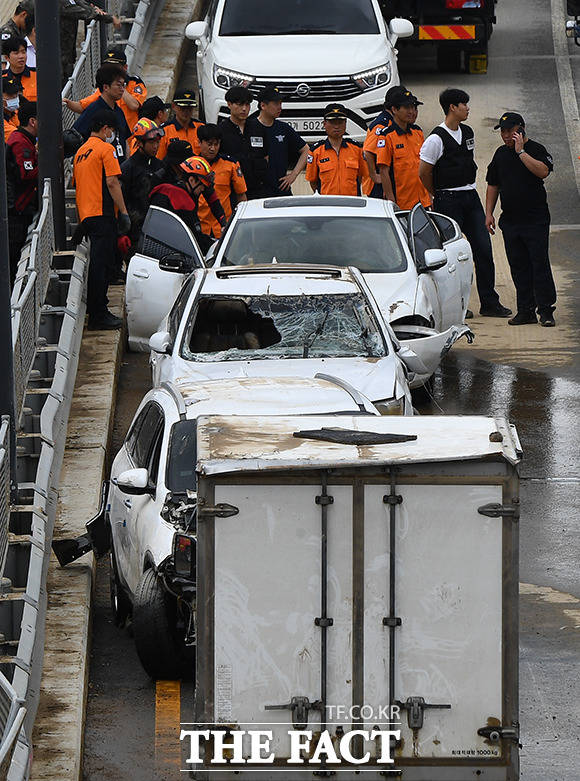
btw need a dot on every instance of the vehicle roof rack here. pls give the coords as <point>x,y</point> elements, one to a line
<point>315,200</point>
<point>279,268</point>
<point>177,397</point>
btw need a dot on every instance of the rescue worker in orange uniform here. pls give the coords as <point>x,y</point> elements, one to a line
<point>398,148</point>
<point>11,100</point>
<point>336,165</point>
<point>99,197</point>
<point>183,127</point>
<point>14,49</point>
<point>371,185</point>
<point>229,182</point>
<point>133,97</point>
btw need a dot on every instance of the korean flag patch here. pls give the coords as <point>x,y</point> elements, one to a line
<point>309,159</point>
<point>28,165</point>
<point>381,142</point>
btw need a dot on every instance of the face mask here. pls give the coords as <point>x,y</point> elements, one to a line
<point>110,139</point>
<point>12,104</point>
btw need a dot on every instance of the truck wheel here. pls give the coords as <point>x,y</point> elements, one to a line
<point>449,59</point>
<point>120,603</point>
<point>159,648</point>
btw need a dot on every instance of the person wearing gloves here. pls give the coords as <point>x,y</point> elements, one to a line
<point>99,197</point>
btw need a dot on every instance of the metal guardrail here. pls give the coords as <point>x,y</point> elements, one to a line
<point>4,494</point>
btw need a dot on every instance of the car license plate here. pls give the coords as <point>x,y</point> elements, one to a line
<point>306,125</point>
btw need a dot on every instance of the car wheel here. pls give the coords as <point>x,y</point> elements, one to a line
<point>120,603</point>
<point>160,648</point>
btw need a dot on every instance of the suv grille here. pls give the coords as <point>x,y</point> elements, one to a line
<point>321,90</point>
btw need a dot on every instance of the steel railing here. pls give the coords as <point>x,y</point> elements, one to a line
<point>4,493</point>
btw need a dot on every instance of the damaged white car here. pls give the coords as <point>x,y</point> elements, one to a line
<point>151,505</point>
<point>417,265</point>
<point>284,321</point>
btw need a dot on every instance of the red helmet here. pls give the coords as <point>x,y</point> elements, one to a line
<point>198,166</point>
<point>147,130</point>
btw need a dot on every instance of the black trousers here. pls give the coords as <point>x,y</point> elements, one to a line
<point>465,208</point>
<point>526,247</point>
<point>102,233</point>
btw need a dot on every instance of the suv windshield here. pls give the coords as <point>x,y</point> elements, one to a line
<point>271,327</point>
<point>299,17</point>
<point>369,243</point>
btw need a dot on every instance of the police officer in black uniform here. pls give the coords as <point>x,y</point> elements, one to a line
<point>448,171</point>
<point>516,174</point>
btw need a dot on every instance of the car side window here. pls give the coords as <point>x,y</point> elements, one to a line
<point>146,436</point>
<point>155,454</point>
<point>424,234</point>
<point>179,306</point>
<point>131,437</point>
<point>446,227</point>
<point>211,14</point>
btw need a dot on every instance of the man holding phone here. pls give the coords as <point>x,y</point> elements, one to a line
<point>516,175</point>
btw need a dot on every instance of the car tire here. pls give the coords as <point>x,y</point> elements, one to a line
<point>120,602</point>
<point>160,649</point>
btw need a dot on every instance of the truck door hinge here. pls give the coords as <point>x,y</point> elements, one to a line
<point>416,707</point>
<point>495,734</point>
<point>300,706</point>
<point>495,510</point>
<point>324,499</point>
<point>221,510</point>
<point>392,499</point>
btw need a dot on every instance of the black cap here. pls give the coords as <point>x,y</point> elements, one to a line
<point>335,111</point>
<point>152,106</point>
<point>401,96</point>
<point>510,119</point>
<point>10,86</point>
<point>269,94</point>
<point>185,97</point>
<point>116,54</point>
<point>178,151</point>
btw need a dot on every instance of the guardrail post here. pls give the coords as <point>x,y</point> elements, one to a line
<point>50,149</point>
<point>7,359</point>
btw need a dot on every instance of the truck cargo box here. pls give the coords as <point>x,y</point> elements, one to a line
<point>358,574</point>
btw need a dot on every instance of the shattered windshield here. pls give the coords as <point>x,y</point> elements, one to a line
<point>269,327</point>
<point>369,243</point>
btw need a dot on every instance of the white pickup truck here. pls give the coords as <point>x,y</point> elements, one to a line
<point>357,598</point>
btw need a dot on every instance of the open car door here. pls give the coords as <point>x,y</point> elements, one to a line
<point>458,251</point>
<point>168,253</point>
<point>423,235</point>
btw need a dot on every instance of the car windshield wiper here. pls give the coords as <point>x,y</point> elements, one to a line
<point>307,345</point>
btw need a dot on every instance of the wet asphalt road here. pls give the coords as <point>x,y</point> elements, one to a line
<point>544,405</point>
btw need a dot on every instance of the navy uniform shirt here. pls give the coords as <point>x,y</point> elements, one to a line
<point>250,149</point>
<point>83,125</point>
<point>284,145</point>
<point>522,193</point>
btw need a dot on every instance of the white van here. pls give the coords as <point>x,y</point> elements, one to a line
<point>314,53</point>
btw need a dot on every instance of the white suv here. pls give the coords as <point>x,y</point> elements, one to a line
<point>314,53</point>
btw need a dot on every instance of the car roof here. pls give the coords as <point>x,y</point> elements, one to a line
<point>279,280</point>
<point>264,396</point>
<point>316,205</point>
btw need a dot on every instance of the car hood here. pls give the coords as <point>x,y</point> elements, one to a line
<point>395,294</point>
<point>374,377</point>
<point>288,56</point>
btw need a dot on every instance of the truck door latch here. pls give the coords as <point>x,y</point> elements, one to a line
<point>493,510</point>
<point>495,734</point>
<point>299,707</point>
<point>221,510</point>
<point>416,707</point>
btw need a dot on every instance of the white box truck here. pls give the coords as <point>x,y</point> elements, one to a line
<point>357,599</point>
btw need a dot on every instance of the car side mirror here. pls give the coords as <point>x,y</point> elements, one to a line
<point>196,30</point>
<point>160,342</point>
<point>433,259</point>
<point>411,360</point>
<point>134,482</point>
<point>401,28</point>
<point>175,262</point>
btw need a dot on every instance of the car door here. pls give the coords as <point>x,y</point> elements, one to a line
<point>168,253</point>
<point>458,251</point>
<point>423,235</point>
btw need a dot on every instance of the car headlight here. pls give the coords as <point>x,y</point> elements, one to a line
<point>373,78</point>
<point>225,78</point>
<point>391,406</point>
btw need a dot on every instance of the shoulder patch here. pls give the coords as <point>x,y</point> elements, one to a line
<point>309,159</point>
<point>381,142</point>
<point>318,143</point>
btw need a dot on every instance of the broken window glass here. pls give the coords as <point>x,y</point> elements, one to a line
<point>270,327</point>
<point>369,243</point>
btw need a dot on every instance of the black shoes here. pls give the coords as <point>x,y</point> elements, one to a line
<point>495,311</point>
<point>523,318</point>
<point>547,319</point>
<point>105,322</point>
<point>468,314</point>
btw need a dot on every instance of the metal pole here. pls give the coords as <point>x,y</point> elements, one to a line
<point>7,356</point>
<point>50,149</point>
